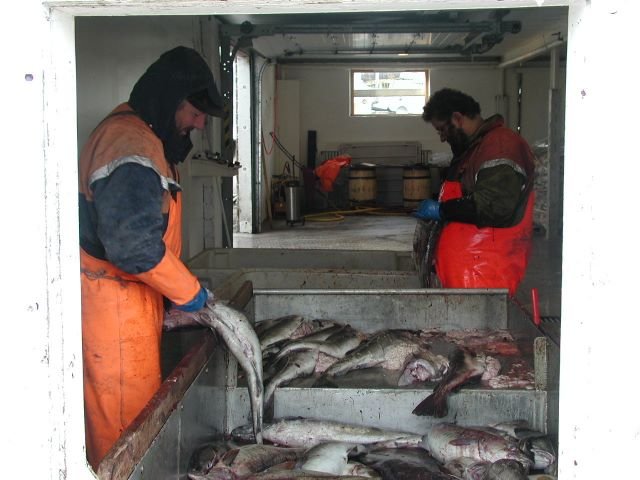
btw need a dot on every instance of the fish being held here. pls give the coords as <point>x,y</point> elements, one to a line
<point>240,338</point>
<point>464,367</point>
<point>306,432</point>
<point>425,239</point>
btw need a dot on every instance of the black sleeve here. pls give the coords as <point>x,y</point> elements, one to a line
<point>459,210</point>
<point>494,202</point>
<point>129,215</point>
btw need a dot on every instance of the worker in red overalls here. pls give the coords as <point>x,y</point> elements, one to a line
<point>486,200</point>
<point>130,239</point>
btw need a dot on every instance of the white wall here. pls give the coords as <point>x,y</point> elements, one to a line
<point>535,99</point>
<point>112,53</point>
<point>324,104</point>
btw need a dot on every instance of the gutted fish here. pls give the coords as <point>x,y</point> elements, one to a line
<point>281,329</point>
<point>403,461</point>
<point>249,459</point>
<point>205,457</point>
<point>505,469</point>
<point>389,349</point>
<point>446,442</point>
<point>329,457</point>
<point>306,432</point>
<point>467,468</point>
<point>299,475</point>
<point>336,345</point>
<point>296,365</point>
<point>464,367</point>
<point>427,367</point>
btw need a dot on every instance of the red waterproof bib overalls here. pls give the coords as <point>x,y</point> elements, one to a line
<point>472,257</point>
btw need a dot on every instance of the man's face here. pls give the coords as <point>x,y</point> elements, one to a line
<point>189,117</point>
<point>451,131</point>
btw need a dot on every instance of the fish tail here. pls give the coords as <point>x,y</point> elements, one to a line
<point>435,405</point>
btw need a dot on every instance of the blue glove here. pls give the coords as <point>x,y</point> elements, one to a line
<point>197,303</point>
<point>428,210</point>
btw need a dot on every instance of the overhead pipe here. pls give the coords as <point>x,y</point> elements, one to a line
<point>532,54</point>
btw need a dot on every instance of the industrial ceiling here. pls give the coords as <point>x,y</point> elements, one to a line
<point>487,36</point>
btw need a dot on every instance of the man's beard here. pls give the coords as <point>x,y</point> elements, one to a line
<point>177,146</point>
<point>458,141</point>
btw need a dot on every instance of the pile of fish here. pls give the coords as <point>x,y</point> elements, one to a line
<point>303,448</point>
<point>326,351</point>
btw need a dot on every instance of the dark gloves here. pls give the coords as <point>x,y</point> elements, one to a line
<point>197,303</point>
<point>428,210</point>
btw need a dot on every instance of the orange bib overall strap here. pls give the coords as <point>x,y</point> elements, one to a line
<point>121,327</point>
<point>472,257</point>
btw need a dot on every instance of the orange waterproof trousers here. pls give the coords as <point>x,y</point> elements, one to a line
<point>121,328</point>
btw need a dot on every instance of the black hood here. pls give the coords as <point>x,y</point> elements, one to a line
<point>176,75</point>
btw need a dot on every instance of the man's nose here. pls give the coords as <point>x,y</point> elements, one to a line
<point>199,122</point>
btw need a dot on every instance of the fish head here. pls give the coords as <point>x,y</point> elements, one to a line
<point>218,473</point>
<point>417,371</point>
<point>244,433</point>
<point>506,469</point>
<point>206,457</point>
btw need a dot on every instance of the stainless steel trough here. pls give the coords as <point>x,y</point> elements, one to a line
<point>225,283</point>
<point>238,258</point>
<point>203,400</point>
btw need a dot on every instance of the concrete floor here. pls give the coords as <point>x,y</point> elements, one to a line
<point>395,233</point>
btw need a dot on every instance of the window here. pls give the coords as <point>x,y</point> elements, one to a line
<point>375,92</point>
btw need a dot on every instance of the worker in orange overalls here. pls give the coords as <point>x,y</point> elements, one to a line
<point>130,238</point>
<point>486,201</point>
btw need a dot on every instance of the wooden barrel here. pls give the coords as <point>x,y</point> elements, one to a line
<point>416,182</point>
<point>362,185</point>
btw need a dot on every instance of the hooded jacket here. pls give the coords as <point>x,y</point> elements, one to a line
<point>127,167</point>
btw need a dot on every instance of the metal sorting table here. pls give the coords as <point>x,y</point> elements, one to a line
<point>203,400</point>
<point>225,283</point>
<point>258,258</point>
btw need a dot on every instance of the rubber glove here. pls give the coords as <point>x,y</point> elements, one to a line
<point>428,210</point>
<point>197,303</point>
